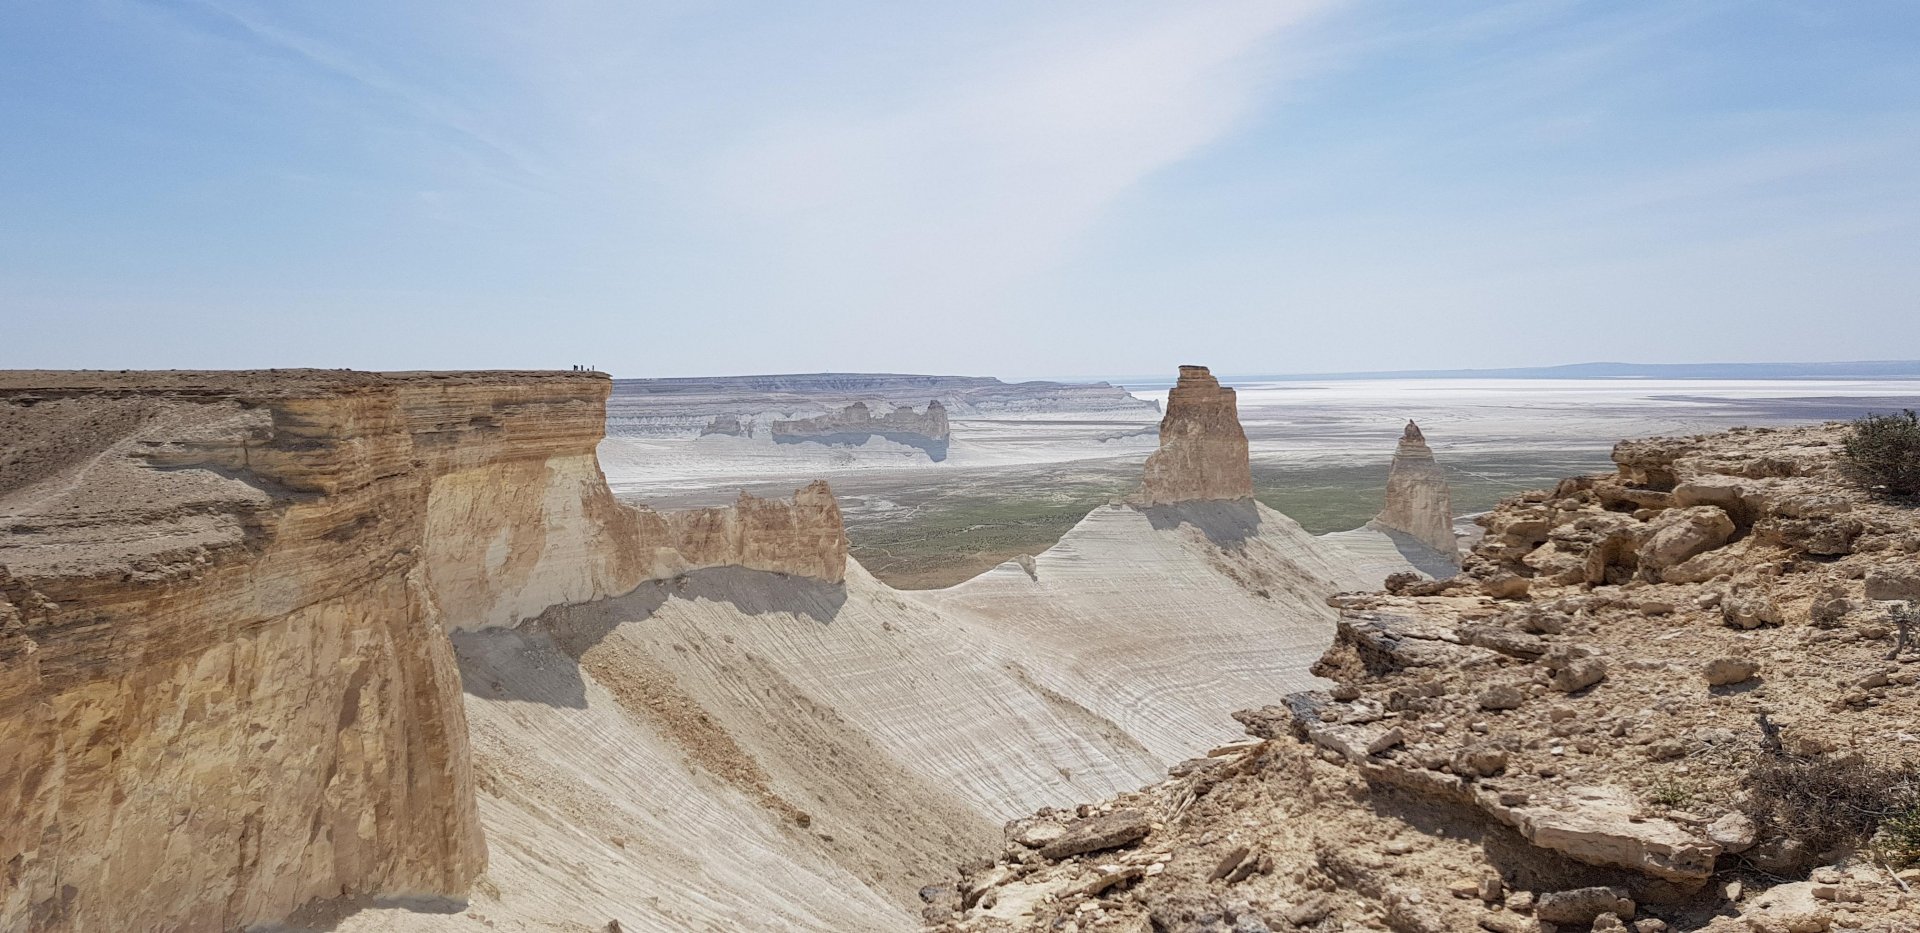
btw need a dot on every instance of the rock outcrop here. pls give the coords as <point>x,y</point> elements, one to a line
<point>727,426</point>
<point>1614,746</point>
<point>1203,450</point>
<point>226,686</point>
<point>855,424</point>
<point>1419,502</point>
<point>802,536</point>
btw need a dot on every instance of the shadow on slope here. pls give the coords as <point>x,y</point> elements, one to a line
<point>696,696</point>
<point>328,915</point>
<point>1423,558</point>
<point>1226,523</point>
<point>563,634</point>
<point>934,448</point>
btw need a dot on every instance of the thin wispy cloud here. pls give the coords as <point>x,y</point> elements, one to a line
<point>992,174</point>
<point>515,161</point>
<point>1020,188</point>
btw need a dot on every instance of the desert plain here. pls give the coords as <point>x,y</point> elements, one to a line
<point>1014,481</point>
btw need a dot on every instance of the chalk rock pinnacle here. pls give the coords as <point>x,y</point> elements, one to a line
<point>1418,500</point>
<point>1203,451</point>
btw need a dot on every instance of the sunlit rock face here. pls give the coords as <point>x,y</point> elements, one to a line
<point>1203,451</point>
<point>226,686</point>
<point>802,536</point>
<point>1418,500</point>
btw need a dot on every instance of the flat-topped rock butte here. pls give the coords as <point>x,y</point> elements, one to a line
<point>855,424</point>
<point>1203,450</point>
<point>338,649</point>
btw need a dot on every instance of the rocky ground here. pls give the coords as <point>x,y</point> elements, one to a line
<point>1673,697</point>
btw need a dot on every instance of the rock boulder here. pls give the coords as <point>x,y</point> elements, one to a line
<point>1679,534</point>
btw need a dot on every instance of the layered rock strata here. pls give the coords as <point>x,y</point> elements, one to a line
<point>1203,450</point>
<point>1419,502</point>
<point>227,603</point>
<point>1576,739</point>
<point>728,426</point>
<point>855,424</point>
<point>802,536</point>
<point>225,683</point>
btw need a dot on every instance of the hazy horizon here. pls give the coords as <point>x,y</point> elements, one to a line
<point>1303,186</point>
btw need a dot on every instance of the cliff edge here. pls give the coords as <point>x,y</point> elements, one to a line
<point>226,686</point>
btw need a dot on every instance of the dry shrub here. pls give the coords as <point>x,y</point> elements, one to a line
<point>1883,452</point>
<point>1831,802</point>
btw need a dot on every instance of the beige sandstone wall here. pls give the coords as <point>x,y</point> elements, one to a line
<point>225,684</point>
<point>802,536</point>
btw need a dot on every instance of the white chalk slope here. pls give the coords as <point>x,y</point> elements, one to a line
<point>659,779</point>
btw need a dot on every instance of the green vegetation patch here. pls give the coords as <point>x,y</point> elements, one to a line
<point>943,539</point>
<point>932,536</point>
<point>1338,497</point>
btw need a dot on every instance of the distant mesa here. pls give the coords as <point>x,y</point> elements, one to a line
<point>855,425</point>
<point>1203,450</point>
<point>686,407</point>
<point>728,425</point>
<point>1419,503</point>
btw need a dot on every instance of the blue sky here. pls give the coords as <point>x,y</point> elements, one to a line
<point>1009,188</point>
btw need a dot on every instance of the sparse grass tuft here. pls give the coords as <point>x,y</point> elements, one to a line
<point>1673,794</point>
<point>1897,844</point>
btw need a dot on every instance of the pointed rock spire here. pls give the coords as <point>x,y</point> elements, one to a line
<point>1203,450</point>
<point>1419,502</point>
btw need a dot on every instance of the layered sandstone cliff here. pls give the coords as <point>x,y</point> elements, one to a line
<point>275,638</point>
<point>802,536</point>
<point>225,683</point>
<point>1203,450</point>
<point>1419,502</point>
